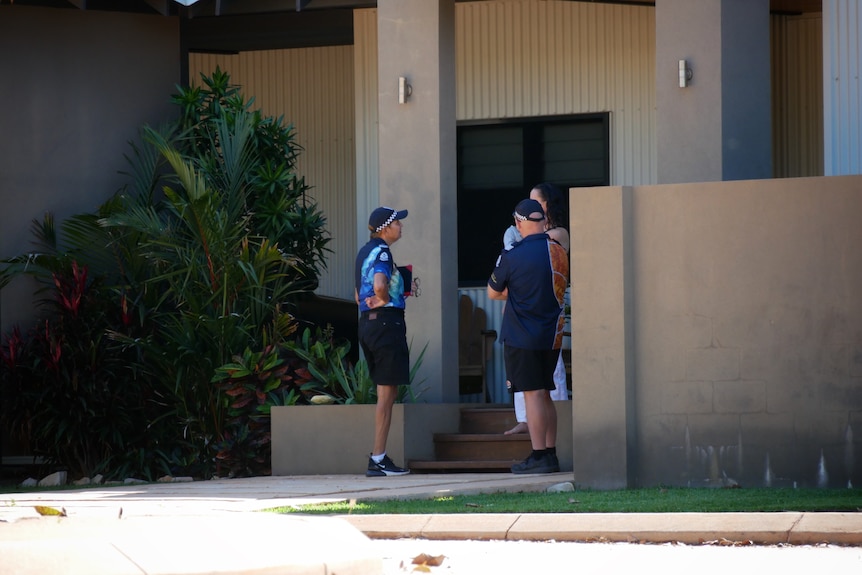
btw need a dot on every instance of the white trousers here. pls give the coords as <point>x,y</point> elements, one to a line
<point>560,392</point>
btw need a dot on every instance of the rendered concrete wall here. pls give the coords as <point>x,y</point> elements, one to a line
<point>747,331</point>
<point>417,171</point>
<point>76,87</point>
<point>719,126</point>
<point>329,439</point>
<point>601,340</point>
<point>336,439</point>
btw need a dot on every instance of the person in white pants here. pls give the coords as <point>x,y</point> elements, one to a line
<point>552,202</point>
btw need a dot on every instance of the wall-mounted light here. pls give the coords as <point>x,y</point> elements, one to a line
<point>405,90</point>
<point>684,74</point>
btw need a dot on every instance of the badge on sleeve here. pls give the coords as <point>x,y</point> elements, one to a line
<point>384,256</point>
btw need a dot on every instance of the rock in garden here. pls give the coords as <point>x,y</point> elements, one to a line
<point>561,487</point>
<point>53,480</point>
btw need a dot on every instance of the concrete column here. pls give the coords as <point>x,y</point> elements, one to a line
<point>417,155</point>
<point>603,398</point>
<point>842,88</point>
<point>718,127</point>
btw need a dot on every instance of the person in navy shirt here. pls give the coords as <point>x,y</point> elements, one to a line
<point>532,277</point>
<point>551,200</point>
<point>379,292</point>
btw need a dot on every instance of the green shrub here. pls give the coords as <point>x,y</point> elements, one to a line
<point>65,388</point>
<point>196,259</point>
<point>254,382</point>
<point>331,376</point>
<point>333,379</point>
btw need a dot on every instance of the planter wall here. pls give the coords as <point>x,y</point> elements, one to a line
<point>337,439</point>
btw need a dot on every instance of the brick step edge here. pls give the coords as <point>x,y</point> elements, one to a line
<point>471,465</point>
<point>491,409</point>
<point>480,437</point>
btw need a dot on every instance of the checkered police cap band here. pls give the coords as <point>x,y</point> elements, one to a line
<point>384,216</point>
<point>526,208</point>
<point>388,221</point>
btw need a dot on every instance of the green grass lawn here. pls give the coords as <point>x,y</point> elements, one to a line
<point>654,500</point>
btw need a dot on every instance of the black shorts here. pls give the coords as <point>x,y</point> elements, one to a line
<point>530,369</point>
<point>383,337</point>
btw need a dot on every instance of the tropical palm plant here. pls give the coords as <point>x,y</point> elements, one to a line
<point>220,286</point>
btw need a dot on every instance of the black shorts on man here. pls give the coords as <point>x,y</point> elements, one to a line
<point>383,337</point>
<point>530,369</point>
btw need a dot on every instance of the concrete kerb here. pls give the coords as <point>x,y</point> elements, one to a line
<point>836,528</point>
<point>688,528</point>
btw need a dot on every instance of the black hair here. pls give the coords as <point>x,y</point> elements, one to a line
<point>556,212</point>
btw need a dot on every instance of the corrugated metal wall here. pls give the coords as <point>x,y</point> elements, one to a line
<point>797,96</point>
<point>842,21</point>
<point>365,95</point>
<point>313,89</point>
<point>539,58</point>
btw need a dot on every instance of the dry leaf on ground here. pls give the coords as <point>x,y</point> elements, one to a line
<point>430,560</point>
<point>44,510</point>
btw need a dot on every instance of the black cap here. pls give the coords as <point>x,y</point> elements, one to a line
<point>526,208</point>
<point>383,216</point>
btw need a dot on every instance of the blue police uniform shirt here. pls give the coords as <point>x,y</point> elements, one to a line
<point>375,257</point>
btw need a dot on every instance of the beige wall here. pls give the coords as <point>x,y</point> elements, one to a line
<point>740,352</point>
<point>718,126</point>
<point>336,439</point>
<point>76,87</point>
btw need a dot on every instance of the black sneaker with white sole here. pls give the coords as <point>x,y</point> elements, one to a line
<point>384,468</point>
<point>542,464</point>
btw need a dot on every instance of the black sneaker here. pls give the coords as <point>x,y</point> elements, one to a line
<point>384,468</point>
<point>541,464</point>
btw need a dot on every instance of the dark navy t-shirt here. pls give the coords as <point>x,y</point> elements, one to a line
<point>535,270</point>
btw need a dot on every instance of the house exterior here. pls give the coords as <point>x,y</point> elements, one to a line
<point>639,108</point>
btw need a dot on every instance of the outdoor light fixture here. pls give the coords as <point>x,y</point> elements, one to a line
<point>405,90</point>
<point>185,2</point>
<point>684,74</point>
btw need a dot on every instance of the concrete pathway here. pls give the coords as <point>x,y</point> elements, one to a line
<point>210,527</point>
